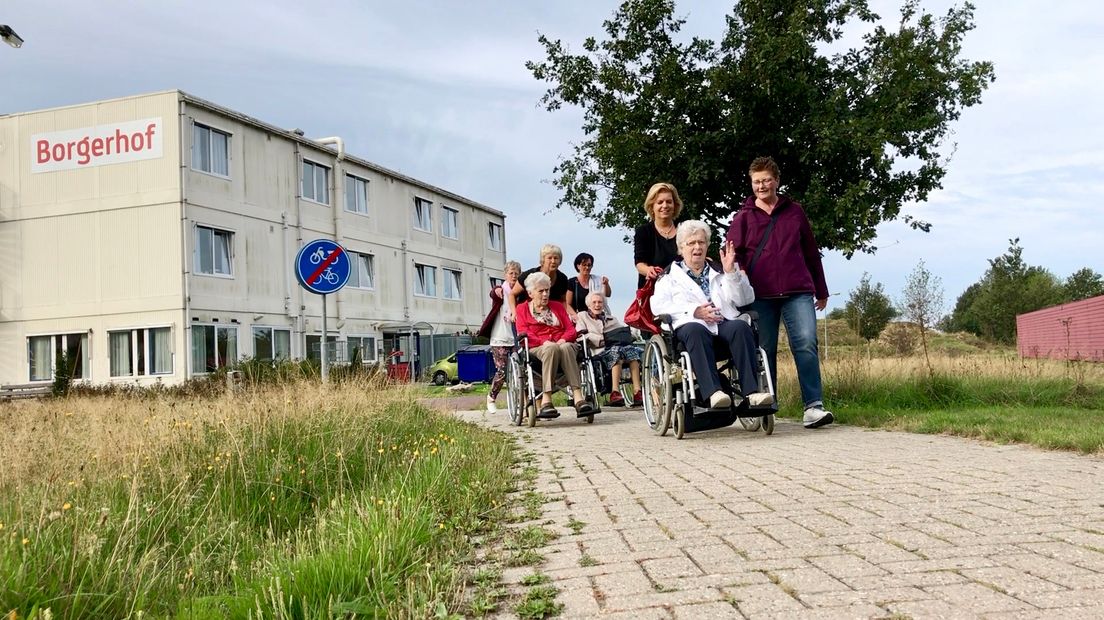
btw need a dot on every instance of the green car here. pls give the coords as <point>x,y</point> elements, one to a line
<point>444,371</point>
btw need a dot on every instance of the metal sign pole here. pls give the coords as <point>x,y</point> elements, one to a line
<point>325,358</point>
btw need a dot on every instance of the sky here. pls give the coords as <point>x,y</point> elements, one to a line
<point>439,91</point>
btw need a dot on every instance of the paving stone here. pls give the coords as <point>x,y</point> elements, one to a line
<point>841,522</point>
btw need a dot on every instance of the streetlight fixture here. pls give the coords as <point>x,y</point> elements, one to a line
<point>9,36</point>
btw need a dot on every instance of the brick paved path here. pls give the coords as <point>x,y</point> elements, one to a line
<point>839,522</point>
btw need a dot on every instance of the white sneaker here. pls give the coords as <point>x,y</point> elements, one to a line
<point>817,416</point>
<point>760,399</point>
<point>719,400</point>
<point>751,424</point>
<point>491,406</point>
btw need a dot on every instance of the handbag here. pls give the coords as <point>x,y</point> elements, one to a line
<point>639,314</point>
<point>618,337</point>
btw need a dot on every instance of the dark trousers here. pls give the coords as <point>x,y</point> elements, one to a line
<point>701,344</point>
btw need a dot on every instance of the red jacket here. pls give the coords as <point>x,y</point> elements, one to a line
<point>488,323</point>
<point>790,262</point>
<point>538,332</point>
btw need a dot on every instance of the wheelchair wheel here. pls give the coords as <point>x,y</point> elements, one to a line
<point>515,392</point>
<point>657,386</point>
<point>531,410</point>
<point>590,419</point>
<point>768,424</point>
<point>680,422</point>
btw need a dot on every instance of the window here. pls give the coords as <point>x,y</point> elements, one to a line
<point>497,282</point>
<point>362,271</point>
<point>138,352</point>
<point>494,236</point>
<point>314,348</point>
<point>213,347</point>
<point>425,281</point>
<point>271,344</point>
<point>210,150</point>
<point>316,182</point>
<point>452,284</point>
<point>362,348</point>
<point>423,215</point>
<point>44,351</point>
<point>450,223</point>
<point>356,194</point>
<point>213,251</point>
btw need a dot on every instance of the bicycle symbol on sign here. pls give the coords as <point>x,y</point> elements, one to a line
<point>316,258</point>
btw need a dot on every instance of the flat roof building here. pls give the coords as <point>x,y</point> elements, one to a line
<point>151,238</point>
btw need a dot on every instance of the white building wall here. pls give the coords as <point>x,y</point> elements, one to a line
<point>111,247</point>
<point>92,249</point>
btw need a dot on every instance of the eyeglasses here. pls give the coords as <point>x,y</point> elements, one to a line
<point>763,182</point>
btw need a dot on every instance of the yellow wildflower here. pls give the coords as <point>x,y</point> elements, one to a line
<point>26,541</point>
<point>66,506</point>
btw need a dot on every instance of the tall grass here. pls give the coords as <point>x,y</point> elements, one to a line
<point>995,396</point>
<point>287,502</point>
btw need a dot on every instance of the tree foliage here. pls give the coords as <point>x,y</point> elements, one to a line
<point>922,304</point>
<point>1009,287</point>
<point>1083,284</point>
<point>869,309</point>
<point>857,133</point>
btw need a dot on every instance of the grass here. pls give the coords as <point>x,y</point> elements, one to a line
<point>284,502</point>
<point>995,396</point>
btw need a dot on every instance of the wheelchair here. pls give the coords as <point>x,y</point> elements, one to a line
<point>671,398</point>
<point>523,381</point>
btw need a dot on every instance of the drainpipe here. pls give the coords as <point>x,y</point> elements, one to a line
<point>185,275</point>
<point>300,327</point>
<point>339,195</point>
<point>285,258</point>
<point>406,285</point>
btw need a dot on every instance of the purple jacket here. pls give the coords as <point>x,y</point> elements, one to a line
<point>790,262</point>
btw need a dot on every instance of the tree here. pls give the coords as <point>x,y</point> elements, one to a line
<point>856,133</point>
<point>1009,287</point>
<point>1083,284</point>
<point>869,309</point>
<point>922,304</point>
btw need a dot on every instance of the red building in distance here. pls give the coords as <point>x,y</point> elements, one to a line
<point>1073,331</point>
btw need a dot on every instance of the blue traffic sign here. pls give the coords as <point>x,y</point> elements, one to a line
<point>322,266</point>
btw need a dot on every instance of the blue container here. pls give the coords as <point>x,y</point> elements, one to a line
<point>475,364</point>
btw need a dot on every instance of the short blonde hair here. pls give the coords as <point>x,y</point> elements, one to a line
<point>653,194</point>
<point>512,264</point>
<point>688,229</point>
<point>549,249</point>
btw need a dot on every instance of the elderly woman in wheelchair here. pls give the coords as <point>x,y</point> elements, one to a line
<point>700,301</point>
<point>549,336</point>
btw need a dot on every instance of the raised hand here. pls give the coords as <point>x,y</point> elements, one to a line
<point>728,257</point>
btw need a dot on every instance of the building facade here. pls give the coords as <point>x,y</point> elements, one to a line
<point>1073,331</point>
<point>152,238</point>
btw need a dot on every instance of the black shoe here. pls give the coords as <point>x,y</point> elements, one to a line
<point>548,412</point>
<point>584,409</point>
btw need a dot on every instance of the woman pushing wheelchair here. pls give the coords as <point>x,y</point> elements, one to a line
<point>703,299</point>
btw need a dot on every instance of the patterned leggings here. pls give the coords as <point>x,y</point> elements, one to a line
<point>500,355</point>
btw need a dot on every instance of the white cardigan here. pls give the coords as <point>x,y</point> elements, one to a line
<point>677,295</point>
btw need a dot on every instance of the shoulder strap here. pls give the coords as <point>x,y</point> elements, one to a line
<point>762,242</point>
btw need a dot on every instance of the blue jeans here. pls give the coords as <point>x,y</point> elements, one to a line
<point>799,315</point>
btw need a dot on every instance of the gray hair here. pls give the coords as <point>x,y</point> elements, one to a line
<point>550,250</point>
<point>688,229</point>
<point>593,295</point>
<point>536,279</point>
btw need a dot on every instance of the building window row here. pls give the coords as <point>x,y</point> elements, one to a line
<point>211,154</point>
<point>148,351</point>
